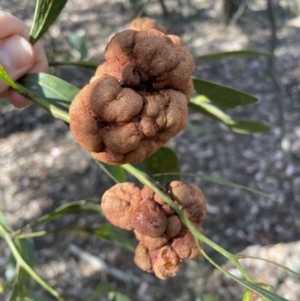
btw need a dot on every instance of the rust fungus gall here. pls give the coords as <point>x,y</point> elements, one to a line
<point>165,262</point>
<point>116,204</point>
<point>148,218</point>
<point>145,23</point>
<point>137,99</point>
<point>190,198</point>
<point>164,240</point>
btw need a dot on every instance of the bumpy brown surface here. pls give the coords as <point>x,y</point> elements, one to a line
<point>164,241</point>
<point>145,23</point>
<point>116,203</point>
<point>190,198</point>
<point>137,99</point>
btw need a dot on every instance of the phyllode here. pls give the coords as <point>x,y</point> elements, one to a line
<point>164,241</point>
<point>137,99</point>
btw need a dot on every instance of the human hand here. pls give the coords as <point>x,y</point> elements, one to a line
<point>17,56</point>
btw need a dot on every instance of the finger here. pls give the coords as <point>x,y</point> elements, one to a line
<point>16,57</point>
<point>41,62</point>
<point>17,100</point>
<point>4,95</point>
<point>11,25</point>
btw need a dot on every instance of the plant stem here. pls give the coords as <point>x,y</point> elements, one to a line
<point>85,64</point>
<point>31,235</point>
<point>143,178</point>
<point>14,250</point>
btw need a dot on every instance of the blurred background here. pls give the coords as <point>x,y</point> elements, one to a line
<point>41,166</point>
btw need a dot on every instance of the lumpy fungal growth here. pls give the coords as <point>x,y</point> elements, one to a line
<point>164,241</point>
<point>137,99</point>
<point>145,23</point>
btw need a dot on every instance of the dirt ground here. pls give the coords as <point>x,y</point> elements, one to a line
<point>41,167</point>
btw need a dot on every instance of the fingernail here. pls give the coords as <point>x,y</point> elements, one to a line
<point>16,54</point>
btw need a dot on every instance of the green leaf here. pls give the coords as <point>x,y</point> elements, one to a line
<point>4,287</point>
<point>248,126</point>
<point>242,256</point>
<point>36,297</point>
<point>115,296</point>
<point>250,295</point>
<point>238,53</point>
<point>116,173</point>
<point>201,104</point>
<point>25,248</point>
<point>24,265</point>
<point>266,291</point>
<point>113,234</point>
<point>4,222</point>
<point>27,252</point>
<point>269,295</point>
<point>21,292</point>
<point>209,297</point>
<point>222,95</point>
<point>102,289</point>
<point>55,90</point>
<point>4,76</point>
<point>163,160</point>
<point>76,207</point>
<point>46,12</point>
<point>79,43</point>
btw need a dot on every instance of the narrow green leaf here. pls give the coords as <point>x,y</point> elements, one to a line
<point>35,297</point>
<point>46,12</point>
<point>242,256</point>
<point>79,43</point>
<point>4,222</point>
<point>238,53</point>
<point>19,292</point>
<point>4,287</point>
<point>23,264</point>
<point>76,207</point>
<point>4,76</point>
<point>113,234</point>
<point>209,297</point>
<point>102,289</point>
<point>55,90</point>
<point>163,160</point>
<point>22,292</point>
<point>115,296</point>
<point>223,183</point>
<point>222,95</point>
<point>210,110</point>
<point>250,295</point>
<point>27,252</point>
<point>116,173</point>
<point>263,291</point>
<point>236,125</point>
<point>269,295</point>
<point>248,126</point>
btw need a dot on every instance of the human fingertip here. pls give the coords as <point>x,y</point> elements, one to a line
<point>17,55</point>
<point>18,100</point>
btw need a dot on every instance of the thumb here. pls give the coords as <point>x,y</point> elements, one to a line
<point>16,57</point>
